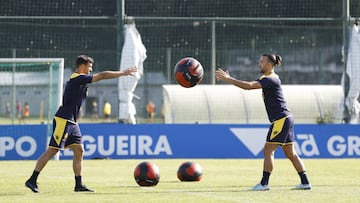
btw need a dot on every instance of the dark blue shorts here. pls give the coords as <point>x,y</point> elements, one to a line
<point>281,131</point>
<point>65,133</point>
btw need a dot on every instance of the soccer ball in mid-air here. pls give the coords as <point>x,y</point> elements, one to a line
<point>189,171</point>
<point>188,72</point>
<point>147,174</point>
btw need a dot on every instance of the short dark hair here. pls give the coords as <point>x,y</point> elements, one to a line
<point>83,59</point>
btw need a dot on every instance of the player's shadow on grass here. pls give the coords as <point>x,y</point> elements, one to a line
<point>201,189</point>
<point>12,194</point>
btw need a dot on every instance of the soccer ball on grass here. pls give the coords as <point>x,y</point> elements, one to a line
<point>189,171</point>
<point>147,174</point>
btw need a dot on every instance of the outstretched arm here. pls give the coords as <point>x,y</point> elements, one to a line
<point>225,76</point>
<point>113,74</point>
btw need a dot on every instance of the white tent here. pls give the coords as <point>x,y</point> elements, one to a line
<point>133,54</point>
<point>216,104</point>
<point>351,78</point>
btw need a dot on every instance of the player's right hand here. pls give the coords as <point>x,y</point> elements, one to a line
<point>221,74</point>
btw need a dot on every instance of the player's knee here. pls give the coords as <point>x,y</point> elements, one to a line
<point>291,155</point>
<point>78,150</point>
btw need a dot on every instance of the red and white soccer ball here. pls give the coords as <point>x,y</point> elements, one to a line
<point>189,171</point>
<point>147,174</point>
<point>188,72</point>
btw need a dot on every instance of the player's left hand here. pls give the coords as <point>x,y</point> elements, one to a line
<point>130,70</point>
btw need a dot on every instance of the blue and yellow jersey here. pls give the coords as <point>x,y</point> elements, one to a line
<point>74,94</point>
<point>273,97</point>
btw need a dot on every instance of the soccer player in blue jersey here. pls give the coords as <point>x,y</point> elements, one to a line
<point>281,131</point>
<point>66,131</point>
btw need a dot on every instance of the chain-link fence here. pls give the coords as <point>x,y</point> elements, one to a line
<point>308,34</point>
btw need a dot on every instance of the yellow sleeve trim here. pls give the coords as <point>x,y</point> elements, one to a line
<point>74,75</point>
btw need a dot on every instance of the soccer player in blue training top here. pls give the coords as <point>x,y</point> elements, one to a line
<point>281,131</point>
<point>66,131</point>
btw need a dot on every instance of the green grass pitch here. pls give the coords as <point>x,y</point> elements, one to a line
<point>224,180</point>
